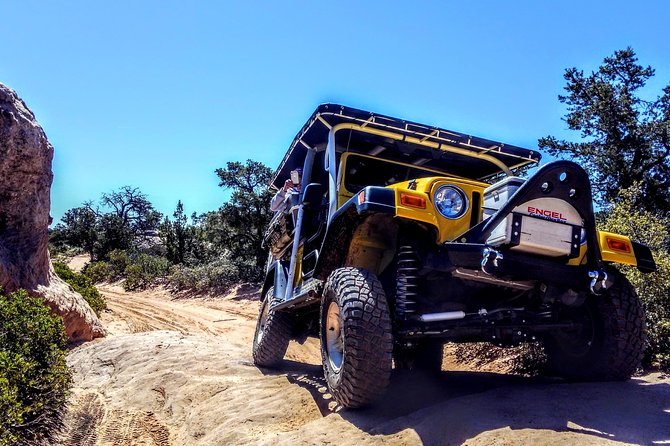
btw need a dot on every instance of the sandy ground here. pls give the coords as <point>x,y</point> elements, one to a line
<point>179,372</point>
<point>77,263</point>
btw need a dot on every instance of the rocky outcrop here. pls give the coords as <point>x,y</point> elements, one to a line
<point>25,186</point>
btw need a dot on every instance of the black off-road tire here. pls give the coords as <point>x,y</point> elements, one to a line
<point>358,360</point>
<point>273,334</point>
<point>611,344</point>
<point>426,357</point>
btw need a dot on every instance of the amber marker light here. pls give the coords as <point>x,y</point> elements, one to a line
<point>413,201</point>
<point>361,197</point>
<point>616,244</point>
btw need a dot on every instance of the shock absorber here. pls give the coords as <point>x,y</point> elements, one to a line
<point>406,282</point>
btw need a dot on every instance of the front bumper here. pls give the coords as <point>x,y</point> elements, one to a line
<point>509,266</point>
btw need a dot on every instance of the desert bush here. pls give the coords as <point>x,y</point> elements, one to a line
<point>118,263</point>
<point>109,270</point>
<point>654,292</point>
<point>34,378</point>
<point>218,276</point>
<point>526,359</point>
<point>625,217</point>
<point>138,269</point>
<point>98,271</point>
<point>57,251</point>
<point>659,350</point>
<point>144,270</point>
<point>82,285</point>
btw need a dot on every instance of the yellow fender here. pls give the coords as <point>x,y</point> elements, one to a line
<point>616,248</point>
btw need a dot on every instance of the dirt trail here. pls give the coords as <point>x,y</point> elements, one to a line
<point>179,372</point>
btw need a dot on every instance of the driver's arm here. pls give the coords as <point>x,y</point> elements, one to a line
<point>277,201</point>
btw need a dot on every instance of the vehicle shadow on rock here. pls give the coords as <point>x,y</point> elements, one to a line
<point>309,377</point>
<point>454,406</point>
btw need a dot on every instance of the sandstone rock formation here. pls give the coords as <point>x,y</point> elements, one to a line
<point>25,185</point>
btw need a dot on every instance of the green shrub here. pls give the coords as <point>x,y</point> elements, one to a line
<point>135,278</point>
<point>527,359</point>
<point>218,276</point>
<point>653,288</point>
<point>108,271</point>
<point>99,271</point>
<point>144,270</point>
<point>139,270</point>
<point>118,262</point>
<point>82,285</point>
<point>34,378</point>
<point>63,251</point>
<point>111,270</point>
<point>660,345</point>
<point>654,292</point>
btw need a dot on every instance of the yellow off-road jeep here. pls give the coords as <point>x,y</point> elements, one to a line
<point>406,236</point>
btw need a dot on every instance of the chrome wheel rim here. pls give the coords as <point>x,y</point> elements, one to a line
<point>334,339</point>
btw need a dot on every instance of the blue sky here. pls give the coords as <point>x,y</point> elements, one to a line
<point>158,94</point>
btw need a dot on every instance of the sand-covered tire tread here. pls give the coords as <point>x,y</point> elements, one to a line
<point>618,348</point>
<point>269,351</point>
<point>368,342</point>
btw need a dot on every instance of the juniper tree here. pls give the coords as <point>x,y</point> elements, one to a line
<point>625,138</point>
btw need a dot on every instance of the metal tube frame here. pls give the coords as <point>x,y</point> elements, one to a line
<point>418,134</point>
<point>306,176</point>
<point>330,163</point>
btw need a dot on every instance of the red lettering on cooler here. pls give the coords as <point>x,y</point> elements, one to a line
<point>554,215</point>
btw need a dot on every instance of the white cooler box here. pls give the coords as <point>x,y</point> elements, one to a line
<point>496,195</point>
<point>536,236</point>
<point>544,226</point>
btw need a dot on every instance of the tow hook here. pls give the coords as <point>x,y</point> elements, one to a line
<point>598,281</point>
<point>488,254</point>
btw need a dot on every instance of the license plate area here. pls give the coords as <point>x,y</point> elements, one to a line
<point>534,235</point>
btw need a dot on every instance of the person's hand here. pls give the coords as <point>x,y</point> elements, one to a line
<point>288,184</point>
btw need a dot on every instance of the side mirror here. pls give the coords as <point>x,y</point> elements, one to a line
<point>312,195</point>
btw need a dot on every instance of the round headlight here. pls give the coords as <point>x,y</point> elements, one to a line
<point>450,201</point>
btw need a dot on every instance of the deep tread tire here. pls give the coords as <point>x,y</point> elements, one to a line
<point>616,334</point>
<point>366,340</point>
<point>273,334</point>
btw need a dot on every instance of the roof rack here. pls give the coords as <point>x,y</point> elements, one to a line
<point>386,137</point>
